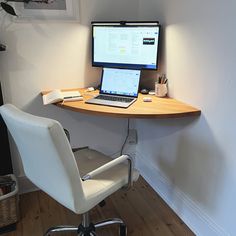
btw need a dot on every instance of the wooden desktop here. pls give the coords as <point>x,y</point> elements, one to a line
<point>158,108</point>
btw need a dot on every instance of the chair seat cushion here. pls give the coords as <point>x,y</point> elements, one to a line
<point>104,184</point>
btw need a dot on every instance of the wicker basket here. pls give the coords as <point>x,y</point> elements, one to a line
<point>9,206</point>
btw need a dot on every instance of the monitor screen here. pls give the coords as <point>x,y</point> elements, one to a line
<point>127,45</point>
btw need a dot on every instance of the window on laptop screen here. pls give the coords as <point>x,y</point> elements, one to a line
<point>120,81</point>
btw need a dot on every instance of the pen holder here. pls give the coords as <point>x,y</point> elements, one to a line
<point>160,89</point>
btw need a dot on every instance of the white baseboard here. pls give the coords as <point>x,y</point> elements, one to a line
<point>190,212</point>
<point>25,185</point>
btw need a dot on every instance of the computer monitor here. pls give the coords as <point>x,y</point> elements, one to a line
<point>132,45</point>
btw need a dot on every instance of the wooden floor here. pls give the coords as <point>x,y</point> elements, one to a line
<point>143,211</point>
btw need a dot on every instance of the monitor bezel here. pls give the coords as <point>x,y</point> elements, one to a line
<point>125,24</point>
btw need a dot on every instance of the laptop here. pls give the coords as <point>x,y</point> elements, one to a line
<point>119,88</point>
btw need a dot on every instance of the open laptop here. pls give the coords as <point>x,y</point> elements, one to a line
<point>119,87</point>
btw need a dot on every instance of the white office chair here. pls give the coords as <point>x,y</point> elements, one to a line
<point>51,165</point>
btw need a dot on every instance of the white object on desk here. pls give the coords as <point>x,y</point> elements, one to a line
<point>73,99</point>
<point>90,89</point>
<point>57,95</point>
<point>147,99</point>
<point>151,92</point>
<point>160,89</point>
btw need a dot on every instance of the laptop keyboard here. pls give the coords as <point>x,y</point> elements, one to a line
<point>117,99</point>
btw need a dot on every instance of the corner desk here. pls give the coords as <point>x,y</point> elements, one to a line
<point>158,108</point>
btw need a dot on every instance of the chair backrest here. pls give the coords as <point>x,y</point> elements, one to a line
<point>47,158</point>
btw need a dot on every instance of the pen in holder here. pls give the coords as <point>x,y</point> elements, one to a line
<point>161,86</point>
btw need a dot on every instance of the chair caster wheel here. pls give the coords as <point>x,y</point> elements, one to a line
<point>123,230</point>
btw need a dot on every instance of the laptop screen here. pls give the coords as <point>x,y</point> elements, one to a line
<point>120,82</point>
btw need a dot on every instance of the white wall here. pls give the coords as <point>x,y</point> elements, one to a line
<point>191,162</point>
<point>43,55</point>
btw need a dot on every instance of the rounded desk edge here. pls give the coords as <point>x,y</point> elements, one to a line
<point>158,108</point>
<point>194,113</point>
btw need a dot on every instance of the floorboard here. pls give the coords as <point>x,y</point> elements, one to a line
<point>143,211</point>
